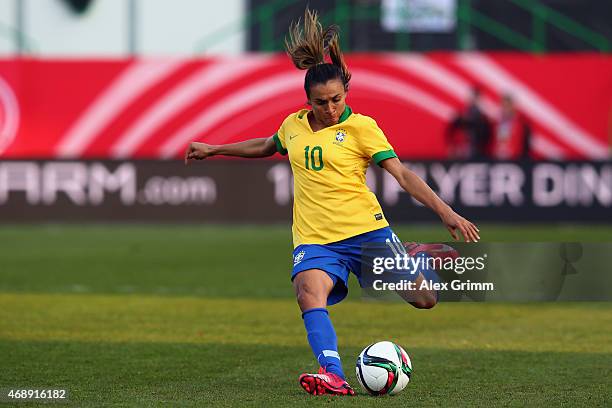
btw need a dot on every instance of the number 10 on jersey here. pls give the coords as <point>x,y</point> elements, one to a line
<point>313,158</point>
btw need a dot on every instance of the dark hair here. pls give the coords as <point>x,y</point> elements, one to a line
<point>309,45</point>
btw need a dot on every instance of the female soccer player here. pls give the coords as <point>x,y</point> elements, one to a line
<point>334,213</point>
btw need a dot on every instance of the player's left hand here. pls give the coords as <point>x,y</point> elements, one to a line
<point>454,222</point>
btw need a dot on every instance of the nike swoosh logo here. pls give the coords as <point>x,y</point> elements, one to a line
<point>293,137</point>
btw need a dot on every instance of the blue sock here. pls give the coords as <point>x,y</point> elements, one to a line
<point>322,339</point>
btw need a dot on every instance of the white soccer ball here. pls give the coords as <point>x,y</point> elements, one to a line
<point>383,368</point>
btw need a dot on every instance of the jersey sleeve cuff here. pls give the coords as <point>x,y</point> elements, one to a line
<point>279,146</point>
<point>384,155</point>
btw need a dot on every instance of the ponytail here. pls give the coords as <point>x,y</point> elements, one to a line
<point>335,54</point>
<point>309,44</point>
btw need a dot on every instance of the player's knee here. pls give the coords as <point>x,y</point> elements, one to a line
<point>426,301</point>
<point>308,295</point>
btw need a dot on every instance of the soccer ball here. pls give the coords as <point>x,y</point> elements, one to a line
<point>383,368</point>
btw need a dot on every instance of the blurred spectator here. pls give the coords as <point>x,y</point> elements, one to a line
<point>469,133</point>
<point>512,133</point>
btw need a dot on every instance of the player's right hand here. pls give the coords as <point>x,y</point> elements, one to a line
<point>198,151</point>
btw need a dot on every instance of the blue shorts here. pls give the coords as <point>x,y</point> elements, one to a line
<point>340,258</point>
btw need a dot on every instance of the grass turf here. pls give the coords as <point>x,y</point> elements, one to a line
<point>152,315</point>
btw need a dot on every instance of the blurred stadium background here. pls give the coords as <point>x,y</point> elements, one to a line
<point>130,279</point>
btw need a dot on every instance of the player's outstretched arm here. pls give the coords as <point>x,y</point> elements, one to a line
<point>416,187</point>
<point>259,147</point>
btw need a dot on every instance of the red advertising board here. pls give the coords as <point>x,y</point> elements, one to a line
<point>151,108</point>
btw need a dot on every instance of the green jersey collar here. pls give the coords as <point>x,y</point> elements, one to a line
<point>345,115</point>
<point>347,112</point>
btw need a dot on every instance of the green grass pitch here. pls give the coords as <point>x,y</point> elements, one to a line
<point>205,316</point>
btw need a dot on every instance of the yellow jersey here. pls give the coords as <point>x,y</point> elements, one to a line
<point>331,200</point>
